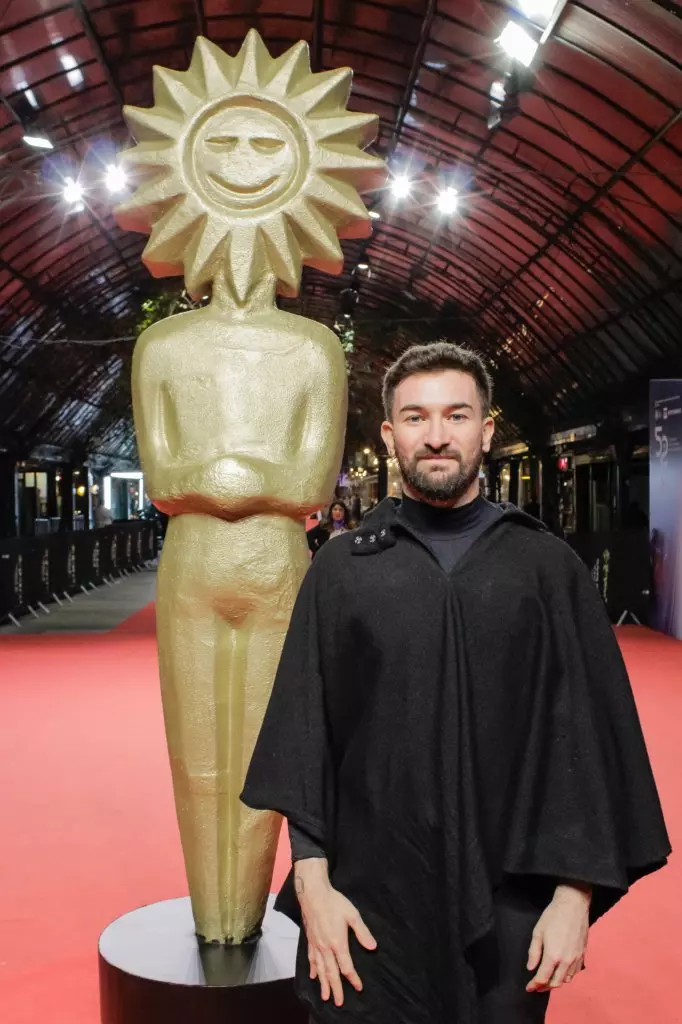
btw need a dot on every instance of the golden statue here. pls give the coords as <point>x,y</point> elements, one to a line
<point>250,167</point>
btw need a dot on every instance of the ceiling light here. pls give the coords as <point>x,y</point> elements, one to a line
<point>447,200</point>
<point>74,75</point>
<point>518,43</point>
<point>38,141</point>
<point>533,8</point>
<point>72,191</point>
<point>498,91</point>
<point>364,265</point>
<point>400,186</point>
<point>29,94</point>
<point>115,178</point>
<point>375,215</point>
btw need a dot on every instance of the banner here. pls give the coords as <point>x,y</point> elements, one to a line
<point>665,477</point>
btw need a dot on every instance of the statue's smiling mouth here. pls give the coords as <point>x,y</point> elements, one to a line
<point>243,190</point>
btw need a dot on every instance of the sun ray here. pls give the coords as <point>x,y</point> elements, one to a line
<point>150,125</point>
<point>283,252</point>
<point>203,255</point>
<point>289,70</point>
<point>356,129</point>
<point>323,93</point>
<point>171,89</point>
<point>249,165</point>
<point>149,201</point>
<point>337,198</point>
<point>351,164</point>
<point>169,238</point>
<point>317,238</point>
<point>212,68</point>
<point>148,155</point>
<point>252,63</point>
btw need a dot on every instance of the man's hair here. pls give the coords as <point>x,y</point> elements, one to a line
<point>441,355</point>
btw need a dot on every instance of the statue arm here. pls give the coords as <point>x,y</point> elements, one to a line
<point>309,481</point>
<point>238,485</point>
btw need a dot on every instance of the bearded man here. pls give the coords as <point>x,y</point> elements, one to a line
<point>453,739</point>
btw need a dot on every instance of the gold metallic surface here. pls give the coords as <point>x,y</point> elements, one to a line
<point>249,169</point>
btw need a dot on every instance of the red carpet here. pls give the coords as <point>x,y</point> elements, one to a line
<point>88,828</point>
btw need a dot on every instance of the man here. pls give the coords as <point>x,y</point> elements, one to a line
<point>453,739</point>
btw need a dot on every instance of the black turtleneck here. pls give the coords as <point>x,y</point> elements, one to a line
<point>449,532</point>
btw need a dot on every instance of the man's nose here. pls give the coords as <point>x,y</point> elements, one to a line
<point>436,437</point>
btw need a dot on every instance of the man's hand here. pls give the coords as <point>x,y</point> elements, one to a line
<point>560,939</point>
<point>327,916</point>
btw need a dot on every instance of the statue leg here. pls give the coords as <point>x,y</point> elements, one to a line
<point>218,656</point>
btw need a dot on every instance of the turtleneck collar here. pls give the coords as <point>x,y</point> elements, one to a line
<point>431,519</point>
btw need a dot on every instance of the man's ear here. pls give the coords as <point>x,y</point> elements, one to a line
<point>488,431</point>
<point>387,437</point>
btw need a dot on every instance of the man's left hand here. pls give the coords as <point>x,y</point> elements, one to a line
<point>559,942</point>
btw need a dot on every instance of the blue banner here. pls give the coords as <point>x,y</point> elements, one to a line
<point>665,477</point>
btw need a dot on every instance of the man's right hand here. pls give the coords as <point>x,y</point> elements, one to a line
<point>327,916</point>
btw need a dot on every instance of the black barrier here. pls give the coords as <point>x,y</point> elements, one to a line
<point>35,569</point>
<point>620,567</point>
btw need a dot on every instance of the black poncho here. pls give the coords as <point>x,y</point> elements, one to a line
<point>438,734</point>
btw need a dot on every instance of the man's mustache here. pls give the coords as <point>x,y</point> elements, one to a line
<point>430,454</point>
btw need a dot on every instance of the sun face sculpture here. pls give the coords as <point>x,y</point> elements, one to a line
<point>249,165</point>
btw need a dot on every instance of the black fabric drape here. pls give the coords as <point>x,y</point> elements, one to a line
<point>440,734</point>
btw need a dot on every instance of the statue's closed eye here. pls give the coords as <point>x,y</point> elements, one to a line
<point>223,142</point>
<point>226,143</point>
<point>267,145</point>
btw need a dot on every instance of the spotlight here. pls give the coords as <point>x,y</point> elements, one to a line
<point>115,178</point>
<point>364,265</point>
<point>518,43</point>
<point>447,200</point>
<point>72,192</point>
<point>375,215</point>
<point>29,94</point>
<point>74,75</point>
<point>38,141</point>
<point>535,8</point>
<point>400,186</point>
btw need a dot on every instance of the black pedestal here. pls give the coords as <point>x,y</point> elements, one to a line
<point>153,971</point>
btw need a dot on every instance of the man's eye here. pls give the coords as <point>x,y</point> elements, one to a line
<point>457,416</point>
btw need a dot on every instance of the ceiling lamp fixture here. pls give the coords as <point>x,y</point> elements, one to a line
<point>447,200</point>
<point>38,141</point>
<point>115,179</point>
<point>74,75</point>
<point>518,43</point>
<point>363,265</point>
<point>375,215</point>
<point>400,186</point>
<point>29,94</point>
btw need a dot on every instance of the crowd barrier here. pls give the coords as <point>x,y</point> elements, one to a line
<point>35,571</point>
<point>620,564</point>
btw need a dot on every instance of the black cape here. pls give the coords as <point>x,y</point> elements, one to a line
<point>440,734</point>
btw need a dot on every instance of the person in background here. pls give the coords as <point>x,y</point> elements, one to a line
<point>102,516</point>
<point>337,521</point>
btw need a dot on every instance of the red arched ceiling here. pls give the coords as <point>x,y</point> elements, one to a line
<point>562,264</point>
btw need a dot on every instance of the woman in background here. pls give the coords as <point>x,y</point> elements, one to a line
<point>337,521</point>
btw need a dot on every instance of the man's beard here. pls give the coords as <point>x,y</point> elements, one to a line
<point>432,487</point>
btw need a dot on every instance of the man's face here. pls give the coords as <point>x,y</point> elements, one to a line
<point>439,435</point>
